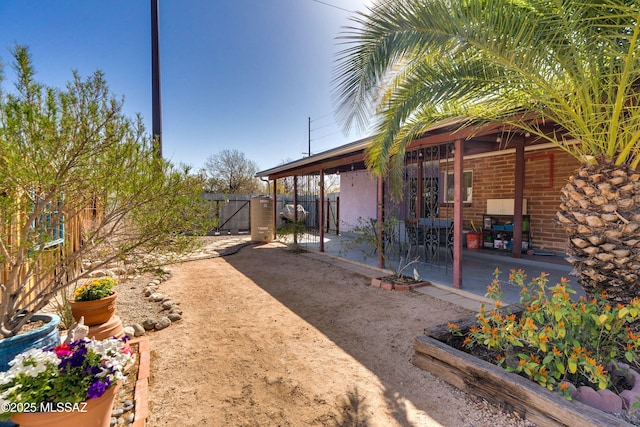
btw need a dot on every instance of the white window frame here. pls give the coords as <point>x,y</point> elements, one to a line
<point>467,182</point>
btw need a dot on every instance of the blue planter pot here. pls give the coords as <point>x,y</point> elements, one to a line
<point>45,337</point>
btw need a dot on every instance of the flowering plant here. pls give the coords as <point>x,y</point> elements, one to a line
<point>95,289</point>
<point>556,339</point>
<point>70,373</point>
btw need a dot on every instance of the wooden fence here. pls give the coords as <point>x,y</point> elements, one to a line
<point>233,211</point>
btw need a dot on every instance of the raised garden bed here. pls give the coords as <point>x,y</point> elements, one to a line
<point>510,391</point>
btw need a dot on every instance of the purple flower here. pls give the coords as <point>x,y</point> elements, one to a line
<point>98,388</point>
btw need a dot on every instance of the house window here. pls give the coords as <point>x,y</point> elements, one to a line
<point>50,224</point>
<point>467,187</point>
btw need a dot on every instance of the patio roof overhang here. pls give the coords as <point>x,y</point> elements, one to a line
<point>478,137</point>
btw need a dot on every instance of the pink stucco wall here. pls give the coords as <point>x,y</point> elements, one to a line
<point>358,196</point>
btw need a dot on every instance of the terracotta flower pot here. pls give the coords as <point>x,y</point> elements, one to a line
<point>96,413</point>
<point>95,312</point>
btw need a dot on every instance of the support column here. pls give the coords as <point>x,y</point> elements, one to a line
<point>275,208</point>
<point>458,197</point>
<point>419,213</point>
<point>321,211</point>
<point>295,211</point>
<point>518,193</point>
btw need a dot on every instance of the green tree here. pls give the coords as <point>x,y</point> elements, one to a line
<point>79,182</point>
<point>411,63</point>
<point>231,172</point>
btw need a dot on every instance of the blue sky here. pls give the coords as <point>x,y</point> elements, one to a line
<point>235,74</point>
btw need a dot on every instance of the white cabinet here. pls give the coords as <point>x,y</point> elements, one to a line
<point>504,206</point>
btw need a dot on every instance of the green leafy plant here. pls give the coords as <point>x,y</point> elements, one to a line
<point>70,373</point>
<point>95,289</point>
<point>293,229</point>
<point>82,187</point>
<point>366,236</point>
<point>556,340</point>
<point>63,308</point>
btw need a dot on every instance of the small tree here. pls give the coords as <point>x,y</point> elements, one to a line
<point>79,181</point>
<point>367,235</point>
<point>230,172</point>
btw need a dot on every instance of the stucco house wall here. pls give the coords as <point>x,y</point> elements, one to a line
<point>358,198</point>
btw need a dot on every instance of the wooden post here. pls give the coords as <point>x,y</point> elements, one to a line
<point>420,191</point>
<point>458,173</point>
<point>518,193</point>
<point>295,211</point>
<point>275,208</point>
<point>321,210</point>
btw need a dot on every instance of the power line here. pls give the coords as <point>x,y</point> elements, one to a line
<point>334,6</point>
<point>325,136</point>
<point>323,116</point>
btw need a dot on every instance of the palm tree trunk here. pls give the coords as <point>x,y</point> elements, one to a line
<point>600,211</point>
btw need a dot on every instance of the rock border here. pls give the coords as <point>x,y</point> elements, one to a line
<point>388,285</point>
<point>165,303</point>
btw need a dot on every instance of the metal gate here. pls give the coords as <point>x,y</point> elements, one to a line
<point>425,220</point>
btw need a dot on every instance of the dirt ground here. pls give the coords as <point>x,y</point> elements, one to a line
<point>273,338</point>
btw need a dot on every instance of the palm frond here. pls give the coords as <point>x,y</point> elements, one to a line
<point>411,63</point>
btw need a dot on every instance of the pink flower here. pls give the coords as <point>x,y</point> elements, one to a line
<point>63,350</point>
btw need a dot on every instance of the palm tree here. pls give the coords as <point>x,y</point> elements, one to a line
<point>411,63</point>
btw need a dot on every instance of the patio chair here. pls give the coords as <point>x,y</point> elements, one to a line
<point>415,239</point>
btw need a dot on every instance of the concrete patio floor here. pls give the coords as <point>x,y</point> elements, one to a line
<point>478,267</point>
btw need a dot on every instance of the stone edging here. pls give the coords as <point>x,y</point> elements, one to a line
<point>403,287</point>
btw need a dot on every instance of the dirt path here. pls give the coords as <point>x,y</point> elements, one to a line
<point>273,338</point>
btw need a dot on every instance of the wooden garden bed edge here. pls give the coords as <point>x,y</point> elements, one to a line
<point>510,391</point>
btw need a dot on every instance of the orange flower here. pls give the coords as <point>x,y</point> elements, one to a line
<point>529,324</point>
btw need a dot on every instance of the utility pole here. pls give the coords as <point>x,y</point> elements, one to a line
<point>155,80</point>
<point>308,153</point>
<point>309,138</point>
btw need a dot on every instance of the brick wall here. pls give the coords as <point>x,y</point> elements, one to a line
<point>546,172</point>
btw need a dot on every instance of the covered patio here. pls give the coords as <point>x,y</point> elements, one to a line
<point>451,175</point>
